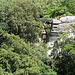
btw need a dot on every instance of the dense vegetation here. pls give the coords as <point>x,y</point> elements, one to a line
<point>64,59</point>
<point>54,8</point>
<point>21,53</point>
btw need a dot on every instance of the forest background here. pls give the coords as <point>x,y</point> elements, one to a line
<point>20,29</point>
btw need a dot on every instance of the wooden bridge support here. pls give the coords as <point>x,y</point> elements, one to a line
<point>46,21</point>
<point>51,26</point>
<point>45,35</point>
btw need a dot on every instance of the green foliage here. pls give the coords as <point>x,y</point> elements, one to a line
<point>57,11</point>
<point>5,6</point>
<point>14,56</point>
<point>59,8</point>
<point>17,57</point>
<point>1,33</point>
<point>71,5</point>
<point>65,62</point>
<point>73,28</point>
<point>23,20</point>
<point>20,58</point>
<point>64,58</point>
<point>4,26</point>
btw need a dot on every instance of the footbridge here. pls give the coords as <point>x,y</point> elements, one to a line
<point>55,27</point>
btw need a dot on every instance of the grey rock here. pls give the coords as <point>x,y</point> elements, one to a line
<point>67,19</point>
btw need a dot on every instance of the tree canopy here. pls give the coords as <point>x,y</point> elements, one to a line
<point>21,53</point>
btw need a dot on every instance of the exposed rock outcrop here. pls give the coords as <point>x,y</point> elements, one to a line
<point>67,19</point>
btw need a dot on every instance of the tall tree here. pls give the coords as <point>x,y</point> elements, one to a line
<point>23,20</point>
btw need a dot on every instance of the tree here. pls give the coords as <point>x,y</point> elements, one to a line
<point>5,6</point>
<point>15,56</point>
<point>64,55</point>
<point>71,5</point>
<point>23,20</point>
<point>18,57</point>
<point>65,61</point>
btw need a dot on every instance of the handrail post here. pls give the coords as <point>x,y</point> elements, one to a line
<point>51,26</point>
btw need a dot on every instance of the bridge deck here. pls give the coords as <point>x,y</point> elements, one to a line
<point>54,29</point>
<point>46,20</point>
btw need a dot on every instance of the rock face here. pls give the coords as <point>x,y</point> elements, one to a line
<point>67,19</point>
